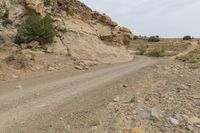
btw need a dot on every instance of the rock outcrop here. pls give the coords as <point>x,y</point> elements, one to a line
<point>81,33</point>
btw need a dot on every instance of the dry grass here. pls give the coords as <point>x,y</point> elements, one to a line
<point>193,58</point>
<point>166,47</point>
<point>156,52</point>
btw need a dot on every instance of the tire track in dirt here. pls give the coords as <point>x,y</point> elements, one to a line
<point>18,105</point>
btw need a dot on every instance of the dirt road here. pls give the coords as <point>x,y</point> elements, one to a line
<point>29,104</point>
<point>192,47</point>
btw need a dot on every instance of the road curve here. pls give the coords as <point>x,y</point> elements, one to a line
<point>194,45</point>
<point>45,93</point>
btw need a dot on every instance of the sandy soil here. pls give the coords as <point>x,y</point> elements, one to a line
<point>28,105</point>
<point>192,47</point>
<point>145,95</point>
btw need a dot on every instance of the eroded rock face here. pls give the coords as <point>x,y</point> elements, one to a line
<point>97,50</point>
<point>83,43</point>
<point>36,5</point>
<point>106,29</point>
<point>8,34</point>
<point>2,8</point>
<point>81,32</point>
<point>16,13</point>
<point>112,33</point>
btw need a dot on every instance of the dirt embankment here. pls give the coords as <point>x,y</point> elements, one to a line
<point>83,37</point>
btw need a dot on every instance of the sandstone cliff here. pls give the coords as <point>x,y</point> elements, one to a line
<point>83,34</point>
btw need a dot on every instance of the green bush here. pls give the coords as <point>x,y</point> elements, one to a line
<point>157,52</point>
<point>142,49</point>
<point>37,29</point>
<point>193,60</point>
<point>187,37</point>
<point>154,39</point>
<point>135,37</point>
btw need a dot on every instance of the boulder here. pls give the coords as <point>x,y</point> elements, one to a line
<point>173,121</point>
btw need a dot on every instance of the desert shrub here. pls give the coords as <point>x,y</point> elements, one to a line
<point>170,53</point>
<point>37,29</point>
<point>188,58</point>
<point>142,49</point>
<point>195,66</point>
<point>47,2</point>
<point>135,37</point>
<point>192,57</point>
<point>156,52</point>
<point>187,37</point>
<point>183,58</point>
<point>154,39</point>
<point>193,60</point>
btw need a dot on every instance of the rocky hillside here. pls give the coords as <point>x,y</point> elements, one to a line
<point>81,33</point>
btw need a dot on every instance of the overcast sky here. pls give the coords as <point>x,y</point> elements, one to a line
<point>167,18</point>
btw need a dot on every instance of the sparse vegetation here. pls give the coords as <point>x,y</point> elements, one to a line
<point>153,51</point>
<point>154,39</point>
<point>37,29</point>
<point>142,49</point>
<point>172,47</point>
<point>187,37</point>
<point>195,66</point>
<point>156,52</point>
<point>193,58</point>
